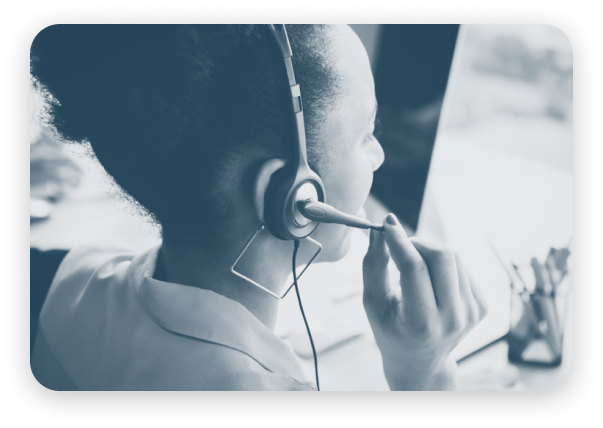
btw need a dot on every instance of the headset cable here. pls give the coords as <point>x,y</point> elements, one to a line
<point>295,248</point>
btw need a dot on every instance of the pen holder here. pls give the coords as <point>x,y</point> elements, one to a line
<point>538,317</point>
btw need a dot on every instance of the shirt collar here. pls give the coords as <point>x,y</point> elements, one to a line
<point>206,315</point>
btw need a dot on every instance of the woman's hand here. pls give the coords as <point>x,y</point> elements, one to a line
<point>419,323</point>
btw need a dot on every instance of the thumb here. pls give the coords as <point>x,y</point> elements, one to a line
<point>375,272</point>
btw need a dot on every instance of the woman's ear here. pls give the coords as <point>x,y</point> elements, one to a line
<point>261,183</point>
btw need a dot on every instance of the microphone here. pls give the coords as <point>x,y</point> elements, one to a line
<point>323,213</point>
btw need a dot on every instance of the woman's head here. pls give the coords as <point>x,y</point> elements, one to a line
<point>348,133</point>
<point>183,117</point>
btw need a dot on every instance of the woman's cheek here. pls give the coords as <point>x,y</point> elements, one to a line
<point>335,240</point>
<point>363,176</point>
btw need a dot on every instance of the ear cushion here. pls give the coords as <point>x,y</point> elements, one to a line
<point>279,187</point>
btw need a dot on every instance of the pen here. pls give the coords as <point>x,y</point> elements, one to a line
<point>553,274</point>
<point>508,272</point>
<point>560,257</point>
<point>540,282</point>
<point>523,283</point>
<point>547,312</point>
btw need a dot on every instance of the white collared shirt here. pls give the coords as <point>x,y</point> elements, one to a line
<point>108,325</point>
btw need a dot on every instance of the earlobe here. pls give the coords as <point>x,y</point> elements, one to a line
<point>261,184</point>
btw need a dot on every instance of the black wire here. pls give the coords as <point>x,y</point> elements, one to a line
<point>295,248</point>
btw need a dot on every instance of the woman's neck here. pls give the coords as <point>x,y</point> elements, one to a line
<point>197,266</point>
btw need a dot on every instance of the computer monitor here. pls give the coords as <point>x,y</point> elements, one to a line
<point>494,200</point>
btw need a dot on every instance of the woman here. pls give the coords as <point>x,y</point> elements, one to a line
<point>191,122</point>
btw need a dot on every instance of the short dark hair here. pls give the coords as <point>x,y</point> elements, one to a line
<point>169,110</point>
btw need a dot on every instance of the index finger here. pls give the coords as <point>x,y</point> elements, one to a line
<point>417,292</point>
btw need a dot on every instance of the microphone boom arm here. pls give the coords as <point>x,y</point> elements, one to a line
<point>324,213</point>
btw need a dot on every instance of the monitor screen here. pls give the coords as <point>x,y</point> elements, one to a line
<point>499,188</point>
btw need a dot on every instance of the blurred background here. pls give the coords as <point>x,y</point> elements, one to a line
<point>477,132</point>
<point>512,91</point>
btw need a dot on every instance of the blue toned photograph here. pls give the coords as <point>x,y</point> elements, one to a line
<point>285,207</point>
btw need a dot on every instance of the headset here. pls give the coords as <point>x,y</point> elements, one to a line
<point>295,200</point>
<point>296,182</point>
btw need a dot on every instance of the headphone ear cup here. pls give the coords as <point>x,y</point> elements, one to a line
<point>274,201</point>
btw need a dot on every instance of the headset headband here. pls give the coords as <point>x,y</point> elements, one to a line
<point>296,181</point>
<point>300,157</point>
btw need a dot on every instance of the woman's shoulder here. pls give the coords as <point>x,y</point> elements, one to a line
<point>241,372</point>
<point>86,251</point>
<point>206,366</point>
<point>90,269</point>
<point>83,260</point>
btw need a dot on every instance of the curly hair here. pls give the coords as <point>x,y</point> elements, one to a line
<point>171,111</point>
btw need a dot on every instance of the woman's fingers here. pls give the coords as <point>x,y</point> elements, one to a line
<point>374,271</point>
<point>478,295</point>
<point>418,325</point>
<point>472,293</point>
<point>471,308</point>
<point>442,266</point>
<point>434,284</point>
<point>418,300</point>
